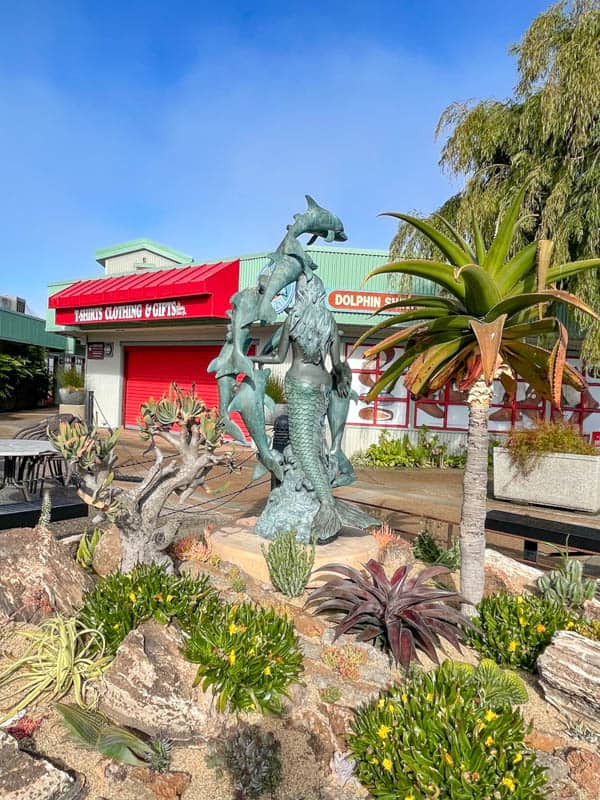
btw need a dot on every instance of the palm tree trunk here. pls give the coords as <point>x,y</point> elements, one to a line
<point>472,522</point>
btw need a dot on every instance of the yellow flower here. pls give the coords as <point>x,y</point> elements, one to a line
<point>520,599</point>
<point>540,628</point>
<point>387,764</point>
<point>374,761</point>
<point>132,597</point>
<point>267,670</point>
<point>570,624</point>
<point>512,646</point>
<point>518,757</point>
<point>522,622</point>
<point>429,697</point>
<point>404,698</point>
<point>170,597</point>
<point>490,715</point>
<point>479,726</point>
<point>159,596</point>
<point>232,657</point>
<point>251,651</point>
<point>115,626</point>
<point>409,797</point>
<point>391,707</point>
<point>448,759</point>
<point>381,703</point>
<point>383,731</point>
<point>233,628</point>
<point>489,741</point>
<point>509,783</point>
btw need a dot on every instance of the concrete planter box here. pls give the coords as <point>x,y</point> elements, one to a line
<point>558,480</point>
<point>72,397</point>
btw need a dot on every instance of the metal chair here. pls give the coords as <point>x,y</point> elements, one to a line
<point>30,471</point>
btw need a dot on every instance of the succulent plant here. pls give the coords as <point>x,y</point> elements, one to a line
<point>87,545</point>
<point>567,585</point>
<point>401,615</point>
<point>96,731</point>
<point>251,757</point>
<point>290,563</point>
<point>496,686</point>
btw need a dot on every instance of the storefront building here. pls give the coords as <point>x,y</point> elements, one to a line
<point>157,315</point>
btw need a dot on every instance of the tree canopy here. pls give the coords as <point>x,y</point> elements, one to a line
<point>547,134</point>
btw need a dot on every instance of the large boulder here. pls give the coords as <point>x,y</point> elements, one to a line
<point>149,686</point>
<point>28,777</point>
<point>569,670</point>
<point>505,574</point>
<point>38,576</point>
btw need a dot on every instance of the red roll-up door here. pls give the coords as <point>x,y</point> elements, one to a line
<point>150,370</point>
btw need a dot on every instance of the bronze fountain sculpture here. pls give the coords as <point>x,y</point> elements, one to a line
<point>310,466</point>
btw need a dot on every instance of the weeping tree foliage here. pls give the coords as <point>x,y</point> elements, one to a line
<point>548,133</point>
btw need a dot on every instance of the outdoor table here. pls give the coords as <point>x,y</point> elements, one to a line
<point>21,459</point>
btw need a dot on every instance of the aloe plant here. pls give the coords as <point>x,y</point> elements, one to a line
<point>93,730</point>
<point>401,614</point>
<point>480,327</point>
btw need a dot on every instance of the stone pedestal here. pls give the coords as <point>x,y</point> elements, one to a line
<point>242,546</point>
<point>76,410</point>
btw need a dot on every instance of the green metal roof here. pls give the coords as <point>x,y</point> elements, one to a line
<point>25,329</point>
<point>142,244</point>
<point>340,268</point>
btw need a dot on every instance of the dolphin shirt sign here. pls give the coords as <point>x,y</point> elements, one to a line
<point>356,302</point>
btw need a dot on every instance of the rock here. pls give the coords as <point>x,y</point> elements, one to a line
<point>38,576</point>
<point>107,555</point>
<point>149,686</point>
<point>584,769</point>
<point>120,780</point>
<point>27,777</point>
<point>591,609</point>
<point>503,573</point>
<point>545,742</point>
<point>569,670</point>
<point>559,786</point>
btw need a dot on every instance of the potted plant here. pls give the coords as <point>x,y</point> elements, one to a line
<point>275,389</point>
<point>552,465</point>
<point>70,387</point>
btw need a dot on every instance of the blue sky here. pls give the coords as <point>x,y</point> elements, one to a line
<point>202,125</point>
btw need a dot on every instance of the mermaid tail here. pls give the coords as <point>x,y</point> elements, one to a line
<point>307,407</point>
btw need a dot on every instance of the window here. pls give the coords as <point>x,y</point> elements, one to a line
<point>390,409</point>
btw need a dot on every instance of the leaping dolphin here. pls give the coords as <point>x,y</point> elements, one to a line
<point>318,221</point>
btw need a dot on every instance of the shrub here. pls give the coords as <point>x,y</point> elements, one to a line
<point>251,757</point>
<point>513,630</point>
<point>290,563</point>
<point>121,602</point>
<point>400,615</point>
<point>86,548</point>
<point>437,737</point>
<point>248,655</point>
<point>275,389</point>
<point>70,379</point>
<point>400,452</point>
<point>566,585</point>
<point>94,730</point>
<point>428,550</point>
<point>526,445</point>
<point>62,654</point>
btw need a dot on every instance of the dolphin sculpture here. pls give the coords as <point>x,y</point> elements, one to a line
<point>318,221</point>
<point>232,359</point>
<point>249,401</point>
<point>337,414</point>
<point>289,262</point>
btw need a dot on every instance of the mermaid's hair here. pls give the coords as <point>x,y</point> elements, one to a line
<point>311,324</point>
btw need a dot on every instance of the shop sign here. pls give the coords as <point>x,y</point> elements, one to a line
<point>133,312</point>
<point>95,350</point>
<point>355,302</point>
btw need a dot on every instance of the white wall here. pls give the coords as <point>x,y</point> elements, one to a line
<point>125,262</point>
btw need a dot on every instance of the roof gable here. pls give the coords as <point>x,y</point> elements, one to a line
<point>142,244</point>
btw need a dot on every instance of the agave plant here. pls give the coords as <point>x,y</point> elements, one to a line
<point>480,327</point>
<point>401,615</point>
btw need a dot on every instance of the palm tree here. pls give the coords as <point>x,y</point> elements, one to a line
<point>479,328</point>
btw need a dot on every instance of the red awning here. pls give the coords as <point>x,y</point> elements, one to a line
<point>202,290</point>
